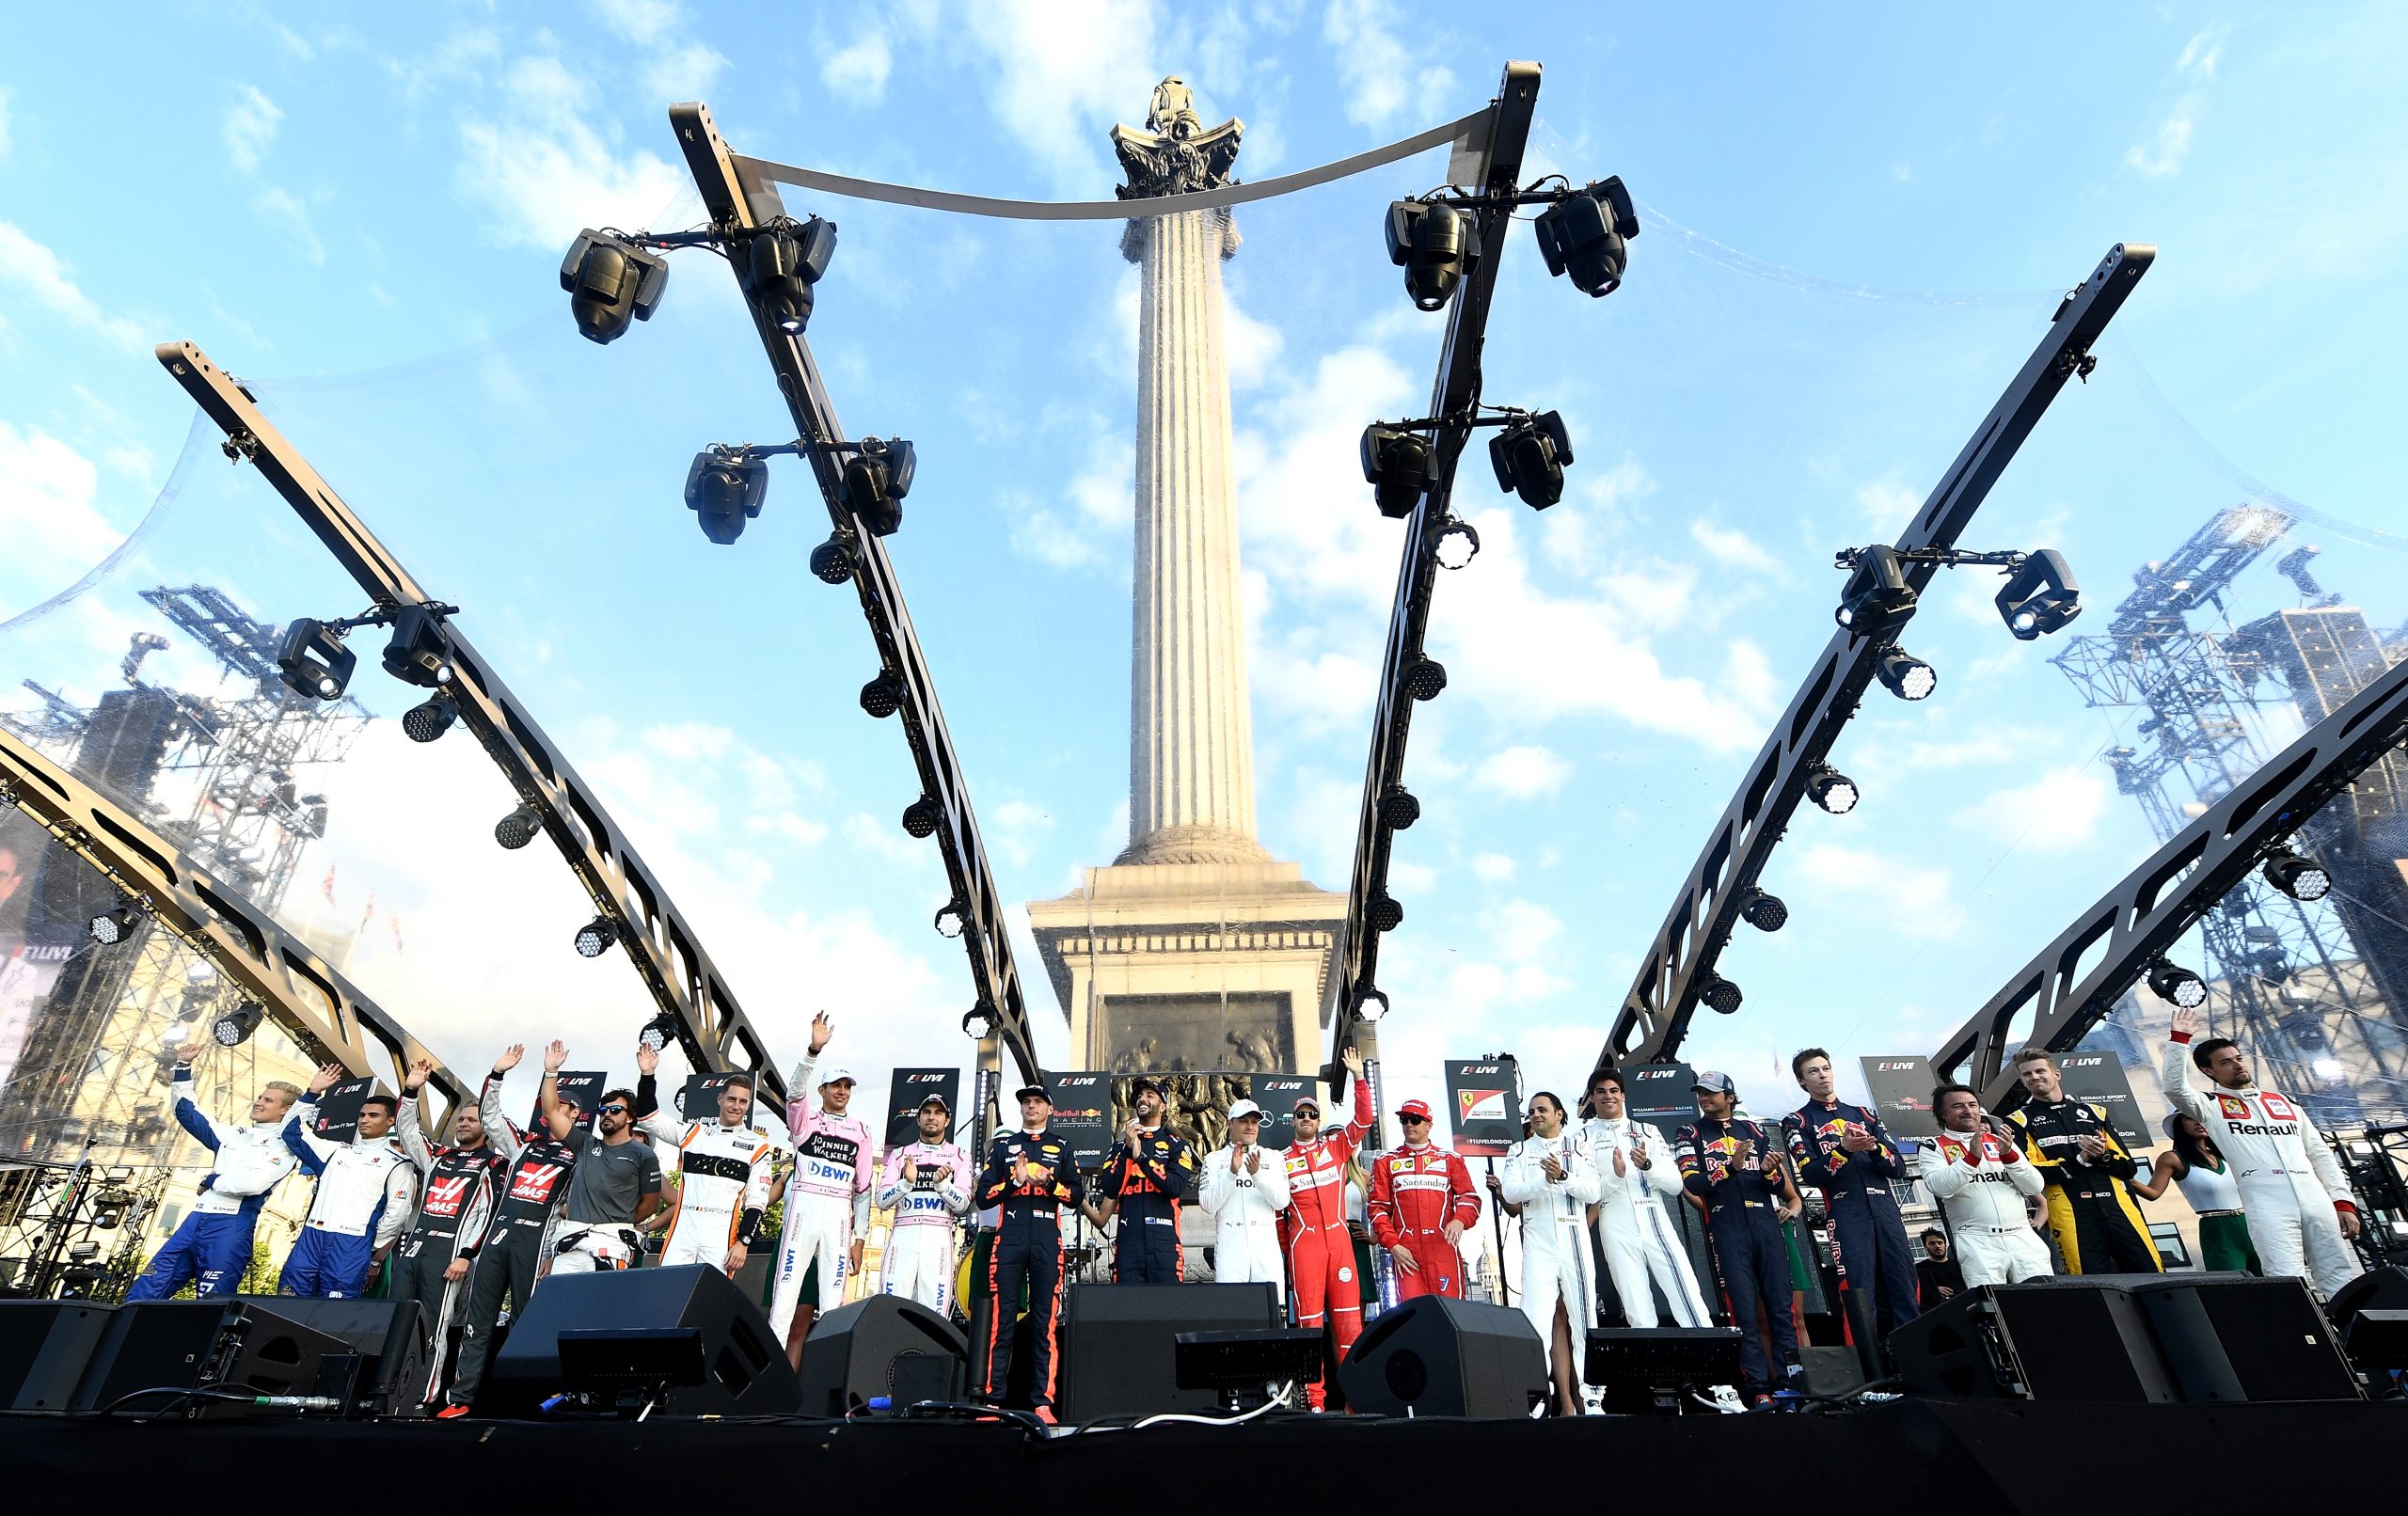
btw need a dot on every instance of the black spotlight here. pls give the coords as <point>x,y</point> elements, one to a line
<point>978,1022</point>
<point>1831,789</point>
<point>1426,679</point>
<point>1370,1005</point>
<point>1426,239</point>
<point>516,829</point>
<point>314,661</point>
<point>2040,596</point>
<point>429,721</point>
<point>658,1032</point>
<point>724,489</point>
<point>1398,808</point>
<point>1762,911</point>
<point>874,481</point>
<point>2177,985</point>
<point>1877,600</point>
<point>115,924</point>
<point>596,937</point>
<point>779,265</point>
<point>418,652</point>
<point>1387,914</point>
<point>235,1027</point>
<point>882,696</point>
<point>832,562</point>
<point>923,816</point>
<point>611,282</point>
<point>1456,546</point>
<point>2299,877</point>
<point>952,918</point>
<point>1530,455</point>
<point>1719,994</point>
<point>1904,675</point>
<point>1583,236</point>
<point>1396,464</point>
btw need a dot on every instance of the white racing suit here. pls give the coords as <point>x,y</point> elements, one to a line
<point>1554,1235</point>
<point>926,1202</point>
<point>2290,1187</point>
<point>827,1201</point>
<point>1981,1180</point>
<point>1639,1238</point>
<point>1246,1210</point>
<point>723,1188</point>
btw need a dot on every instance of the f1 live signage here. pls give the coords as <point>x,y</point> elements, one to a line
<point>1083,1116</point>
<point>1901,1089</point>
<point>583,1086</point>
<point>1484,1105</point>
<point>1277,1095</point>
<point>2099,1078</point>
<point>911,1087</point>
<point>338,1109</point>
<point>1660,1095</point>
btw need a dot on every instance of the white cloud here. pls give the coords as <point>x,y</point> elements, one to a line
<point>1523,773</point>
<point>1734,549</point>
<point>543,170</point>
<point>1521,931</point>
<point>857,72</point>
<point>1250,348</point>
<point>1411,879</point>
<point>53,528</point>
<point>280,205</point>
<point>685,72</point>
<point>35,272</point>
<point>1493,868</point>
<point>5,140</point>
<point>645,22</point>
<point>1101,501</point>
<point>1906,901</point>
<point>1383,76</point>
<point>2160,153</point>
<point>2056,813</point>
<point>1063,72</point>
<point>250,127</point>
<point>1889,503</point>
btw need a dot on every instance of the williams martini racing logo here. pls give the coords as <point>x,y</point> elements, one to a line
<point>1479,1105</point>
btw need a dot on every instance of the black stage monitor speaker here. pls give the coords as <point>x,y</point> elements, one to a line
<point>1431,1356</point>
<point>1119,1354</point>
<point>2234,1338</point>
<point>882,1346</point>
<point>43,1348</point>
<point>385,1338</point>
<point>2378,1289</point>
<point>748,1369</point>
<point>184,1344</point>
<point>1661,1371</point>
<point>2071,1339</point>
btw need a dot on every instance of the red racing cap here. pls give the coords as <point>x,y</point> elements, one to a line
<point>1419,1110</point>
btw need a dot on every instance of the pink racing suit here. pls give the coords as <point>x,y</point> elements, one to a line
<point>827,1200</point>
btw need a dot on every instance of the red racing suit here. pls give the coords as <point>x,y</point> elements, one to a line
<point>1321,1252</point>
<point>1414,1193</point>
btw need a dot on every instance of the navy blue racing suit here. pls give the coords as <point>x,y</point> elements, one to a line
<point>1148,1182</point>
<point>1748,1244</point>
<point>1027,1253</point>
<point>1865,1215</point>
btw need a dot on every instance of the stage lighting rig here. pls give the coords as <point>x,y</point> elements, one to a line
<point>1387,914</point>
<point>516,829</point>
<point>1585,234</point>
<point>978,1022</point>
<point>2177,985</point>
<point>1426,239</point>
<point>2041,595</point>
<point>112,926</point>
<point>874,481</point>
<point>2299,877</point>
<point>611,281</point>
<point>1528,457</point>
<point>597,938</point>
<point>781,264</point>
<point>428,721</point>
<point>882,696</point>
<point>1458,543</point>
<point>658,1032</point>
<point>1398,808</point>
<point>313,661</point>
<point>1904,675</point>
<point>726,484</point>
<point>1369,1006</point>
<point>834,560</point>
<point>950,920</point>
<point>1762,911</point>
<point>724,488</point>
<point>1426,680</point>
<point>1877,600</point>
<point>1396,464</point>
<point>235,1027</point>
<point>1720,994</point>
<point>923,816</point>
<point>1831,789</point>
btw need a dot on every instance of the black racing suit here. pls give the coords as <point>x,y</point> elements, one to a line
<point>513,1251</point>
<point>1149,1184</point>
<point>1028,1253</point>
<point>2098,1227</point>
<point>462,1184</point>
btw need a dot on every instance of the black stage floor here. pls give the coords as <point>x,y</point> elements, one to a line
<point>1966,1457</point>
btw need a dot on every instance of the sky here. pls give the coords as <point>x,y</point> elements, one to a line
<point>1857,227</point>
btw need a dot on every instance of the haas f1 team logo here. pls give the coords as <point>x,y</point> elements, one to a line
<point>534,1181</point>
<point>445,1193</point>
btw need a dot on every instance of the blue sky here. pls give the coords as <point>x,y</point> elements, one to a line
<point>365,213</point>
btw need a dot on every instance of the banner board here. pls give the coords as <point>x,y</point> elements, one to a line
<point>2099,1078</point>
<point>1277,1095</point>
<point>1900,1089</point>
<point>1485,1105</point>
<point>1660,1095</point>
<point>1083,1116</point>
<point>338,1109</point>
<point>911,1087</point>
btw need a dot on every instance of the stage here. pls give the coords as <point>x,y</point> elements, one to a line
<point>1977,1457</point>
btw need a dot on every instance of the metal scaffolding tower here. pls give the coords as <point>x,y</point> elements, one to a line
<point>2296,981</point>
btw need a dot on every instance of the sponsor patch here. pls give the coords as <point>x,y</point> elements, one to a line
<point>2233,1107</point>
<point>1480,1105</point>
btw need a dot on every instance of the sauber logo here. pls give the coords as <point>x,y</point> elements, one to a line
<point>2232,1108</point>
<point>445,1193</point>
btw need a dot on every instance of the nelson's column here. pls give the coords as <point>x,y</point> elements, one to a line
<point>1194,949</point>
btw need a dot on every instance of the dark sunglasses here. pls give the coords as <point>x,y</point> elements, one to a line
<point>614,1110</point>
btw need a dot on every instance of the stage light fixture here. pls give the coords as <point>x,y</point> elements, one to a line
<point>952,918</point>
<point>1904,675</point>
<point>1426,679</point>
<point>978,1022</point>
<point>418,652</point>
<point>832,562</point>
<point>2301,878</point>
<point>882,696</point>
<point>1426,239</point>
<point>235,1027</point>
<point>724,489</point>
<point>516,829</point>
<point>429,721</point>
<point>1765,913</point>
<point>658,1032</point>
<point>874,481</point>
<point>611,281</point>
<point>1528,456</point>
<point>1386,913</point>
<point>1398,808</point>
<point>923,816</point>
<point>1831,789</point>
<point>1585,233</point>
<point>1876,599</point>
<point>2178,984</point>
<point>1458,543</point>
<point>2040,596</point>
<point>779,267</point>
<point>1396,464</point>
<point>115,924</point>
<point>596,937</point>
<point>1719,994</point>
<point>1369,1006</point>
<point>313,661</point>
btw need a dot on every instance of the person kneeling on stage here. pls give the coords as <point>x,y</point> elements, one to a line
<point>1145,1177</point>
<point>1421,1204</point>
<point>617,1185</point>
<point>723,1169</point>
<point>1551,1177</point>
<point>1981,1179</point>
<point>927,1187</point>
<point>1026,1176</point>
<point>213,1247</point>
<point>432,1263</point>
<point>1244,1190</point>
<point>367,1188</point>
